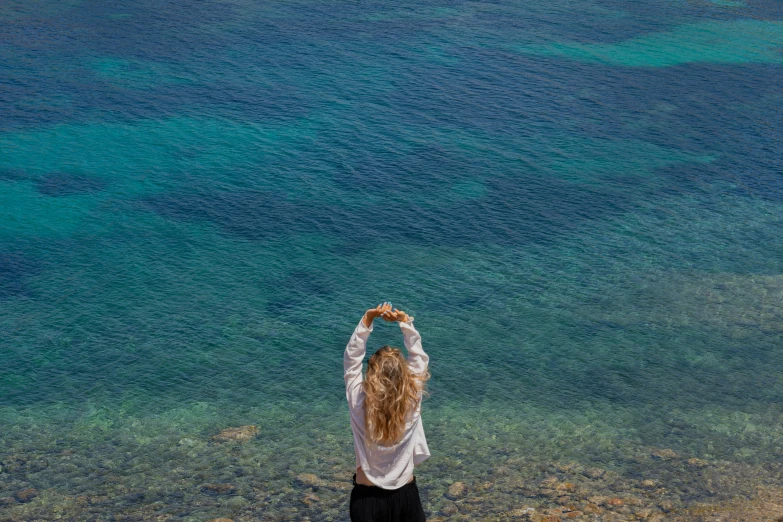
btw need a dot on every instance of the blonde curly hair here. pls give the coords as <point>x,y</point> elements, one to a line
<point>392,393</point>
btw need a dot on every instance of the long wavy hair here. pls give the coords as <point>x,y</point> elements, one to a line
<point>392,393</point>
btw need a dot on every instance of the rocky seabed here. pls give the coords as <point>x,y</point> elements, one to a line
<point>226,476</point>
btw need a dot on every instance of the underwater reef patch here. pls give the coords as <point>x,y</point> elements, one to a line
<point>15,268</point>
<point>59,184</point>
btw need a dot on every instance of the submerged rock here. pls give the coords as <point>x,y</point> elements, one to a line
<point>26,495</point>
<point>240,434</point>
<point>765,505</point>
<point>523,511</point>
<point>697,463</point>
<point>14,463</point>
<point>664,454</point>
<point>219,489</point>
<point>310,480</point>
<point>310,499</point>
<point>238,502</point>
<point>594,473</point>
<point>501,471</point>
<point>457,490</point>
<point>565,487</point>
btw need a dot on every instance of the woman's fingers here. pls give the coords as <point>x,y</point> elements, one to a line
<point>386,310</point>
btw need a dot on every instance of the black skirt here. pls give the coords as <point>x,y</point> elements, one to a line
<point>374,504</point>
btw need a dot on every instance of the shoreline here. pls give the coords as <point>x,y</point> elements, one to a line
<point>311,497</point>
<point>289,461</point>
<point>235,475</point>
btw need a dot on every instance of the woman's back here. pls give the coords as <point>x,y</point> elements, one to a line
<point>385,409</point>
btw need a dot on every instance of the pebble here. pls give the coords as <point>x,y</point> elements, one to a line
<point>501,471</point>
<point>592,508</point>
<point>649,484</point>
<point>594,473</point>
<point>697,463</point>
<point>487,485</point>
<point>565,486</point>
<point>666,506</point>
<point>310,499</point>
<point>614,502</point>
<point>570,467</point>
<point>457,490</point>
<point>664,454</point>
<point>237,502</point>
<point>310,480</point>
<point>239,434</point>
<point>26,495</point>
<point>633,501</point>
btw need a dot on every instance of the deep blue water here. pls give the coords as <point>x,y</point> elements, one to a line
<point>581,204</point>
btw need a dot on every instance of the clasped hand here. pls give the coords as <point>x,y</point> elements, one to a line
<point>386,312</point>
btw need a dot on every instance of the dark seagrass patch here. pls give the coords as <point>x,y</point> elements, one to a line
<point>59,184</point>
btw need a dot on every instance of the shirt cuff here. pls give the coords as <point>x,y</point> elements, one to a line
<point>361,328</point>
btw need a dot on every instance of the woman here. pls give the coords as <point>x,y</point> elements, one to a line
<point>385,410</point>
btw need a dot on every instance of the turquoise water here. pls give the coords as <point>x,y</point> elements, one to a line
<point>581,205</point>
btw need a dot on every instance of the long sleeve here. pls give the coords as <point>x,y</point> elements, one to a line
<point>389,467</point>
<point>417,359</point>
<point>354,355</point>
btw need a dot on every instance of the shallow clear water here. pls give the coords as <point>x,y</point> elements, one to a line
<point>581,204</point>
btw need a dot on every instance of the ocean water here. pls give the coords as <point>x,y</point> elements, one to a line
<point>580,203</point>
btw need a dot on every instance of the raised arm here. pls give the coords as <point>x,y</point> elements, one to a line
<point>357,347</point>
<point>417,359</point>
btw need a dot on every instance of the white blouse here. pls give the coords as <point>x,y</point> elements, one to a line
<point>389,467</point>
